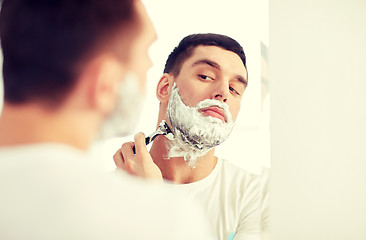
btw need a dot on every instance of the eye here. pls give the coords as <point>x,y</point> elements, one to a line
<point>204,77</point>
<point>233,90</point>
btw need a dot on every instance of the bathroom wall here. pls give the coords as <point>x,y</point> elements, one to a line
<point>318,115</point>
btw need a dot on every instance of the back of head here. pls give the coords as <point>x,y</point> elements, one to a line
<point>46,42</point>
<point>186,46</point>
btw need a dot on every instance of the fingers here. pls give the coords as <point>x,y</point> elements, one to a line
<point>118,159</point>
<point>139,164</point>
<point>125,158</point>
<point>123,154</point>
<point>140,144</point>
<point>126,151</point>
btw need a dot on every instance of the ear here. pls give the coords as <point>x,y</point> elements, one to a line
<point>108,73</point>
<point>164,87</point>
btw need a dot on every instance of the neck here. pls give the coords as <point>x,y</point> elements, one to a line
<point>176,169</point>
<point>29,124</point>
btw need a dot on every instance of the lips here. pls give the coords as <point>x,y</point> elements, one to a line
<point>214,111</point>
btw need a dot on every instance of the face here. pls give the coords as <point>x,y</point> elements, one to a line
<point>140,61</point>
<point>123,119</point>
<point>204,101</point>
<point>213,73</point>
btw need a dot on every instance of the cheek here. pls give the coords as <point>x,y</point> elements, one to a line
<point>234,110</point>
<point>140,65</point>
<point>191,93</point>
<point>186,93</point>
<point>192,98</point>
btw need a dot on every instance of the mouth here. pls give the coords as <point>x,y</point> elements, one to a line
<point>215,112</point>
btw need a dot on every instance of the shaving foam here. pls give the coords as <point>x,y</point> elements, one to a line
<point>194,133</point>
<point>163,126</point>
<point>123,119</point>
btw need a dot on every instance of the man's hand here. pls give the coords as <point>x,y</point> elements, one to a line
<point>140,164</point>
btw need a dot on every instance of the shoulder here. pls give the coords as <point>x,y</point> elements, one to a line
<point>61,189</point>
<point>242,186</point>
<point>244,181</point>
<point>238,176</point>
<point>247,190</point>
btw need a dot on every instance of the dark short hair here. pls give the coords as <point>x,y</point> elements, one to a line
<point>186,46</point>
<point>46,42</point>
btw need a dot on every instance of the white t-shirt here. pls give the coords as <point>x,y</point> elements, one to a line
<point>232,199</point>
<point>49,191</point>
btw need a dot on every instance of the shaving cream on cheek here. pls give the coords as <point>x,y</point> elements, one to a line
<point>125,115</point>
<point>194,133</point>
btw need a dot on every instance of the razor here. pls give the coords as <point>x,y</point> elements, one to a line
<point>163,129</point>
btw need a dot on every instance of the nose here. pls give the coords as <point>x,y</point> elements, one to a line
<point>149,62</point>
<point>221,92</point>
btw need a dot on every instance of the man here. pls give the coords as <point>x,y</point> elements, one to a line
<point>200,93</point>
<point>67,68</point>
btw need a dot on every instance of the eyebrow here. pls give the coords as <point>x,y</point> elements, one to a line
<point>217,66</point>
<point>242,80</point>
<point>208,62</point>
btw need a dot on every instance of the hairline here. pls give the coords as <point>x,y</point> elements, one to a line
<point>176,70</point>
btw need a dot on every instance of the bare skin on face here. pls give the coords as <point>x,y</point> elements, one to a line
<point>140,61</point>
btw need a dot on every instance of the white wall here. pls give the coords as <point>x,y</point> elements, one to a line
<point>318,115</point>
